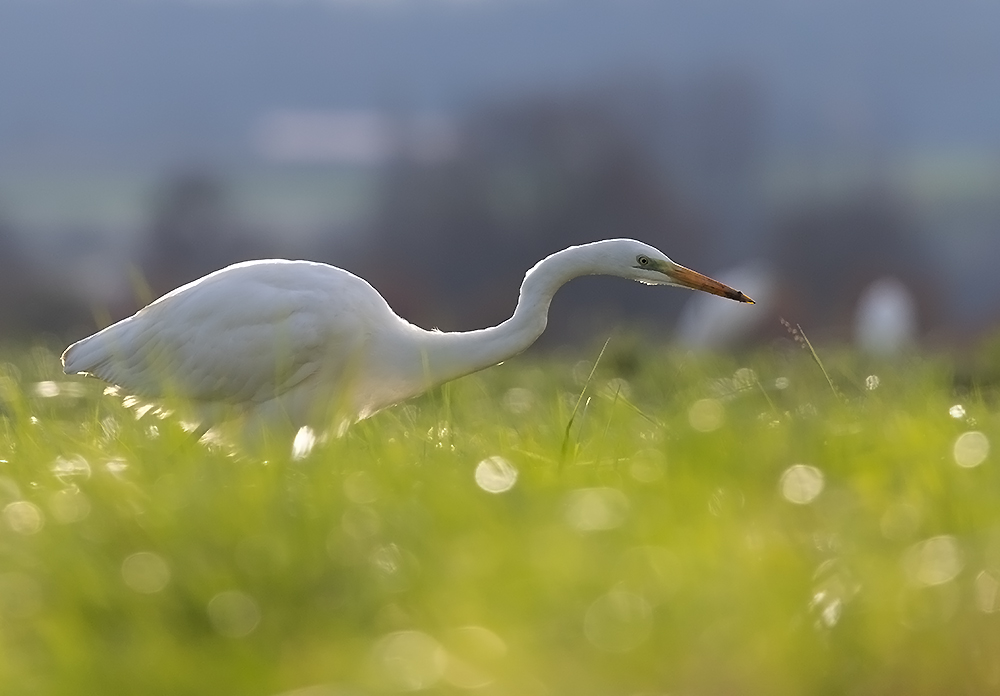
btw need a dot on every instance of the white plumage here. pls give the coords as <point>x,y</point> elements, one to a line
<point>298,343</point>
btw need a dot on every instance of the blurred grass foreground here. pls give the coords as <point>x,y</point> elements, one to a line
<point>696,526</point>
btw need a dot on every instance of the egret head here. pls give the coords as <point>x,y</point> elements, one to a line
<point>645,264</point>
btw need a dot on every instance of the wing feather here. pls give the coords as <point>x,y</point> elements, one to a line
<point>244,335</point>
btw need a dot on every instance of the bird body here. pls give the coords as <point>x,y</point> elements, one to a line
<point>308,344</point>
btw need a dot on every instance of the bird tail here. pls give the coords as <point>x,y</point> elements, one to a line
<point>86,356</point>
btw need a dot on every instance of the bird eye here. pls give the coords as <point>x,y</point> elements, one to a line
<point>643,260</point>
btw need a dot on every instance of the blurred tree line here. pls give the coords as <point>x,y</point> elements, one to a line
<point>679,168</point>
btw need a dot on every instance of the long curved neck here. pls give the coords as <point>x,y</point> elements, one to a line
<point>447,356</point>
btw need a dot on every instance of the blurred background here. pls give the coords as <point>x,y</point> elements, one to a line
<point>837,160</point>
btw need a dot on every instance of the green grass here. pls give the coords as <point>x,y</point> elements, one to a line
<point>650,548</point>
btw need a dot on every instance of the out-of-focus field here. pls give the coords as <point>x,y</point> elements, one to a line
<point>702,526</point>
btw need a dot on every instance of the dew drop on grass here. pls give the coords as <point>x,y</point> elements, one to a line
<point>116,467</point>
<point>47,389</point>
<point>145,572</point>
<point>971,449</point>
<point>933,561</point>
<point>441,436</point>
<point>596,509</point>
<point>302,445</point>
<point>706,415</point>
<point>409,660</point>
<point>24,517</point>
<point>495,475</point>
<point>618,621</point>
<point>835,587</point>
<point>233,614</point>
<point>66,469</point>
<point>829,608</point>
<point>801,483</point>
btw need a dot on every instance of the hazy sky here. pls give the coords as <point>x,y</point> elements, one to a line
<point>148,79</point>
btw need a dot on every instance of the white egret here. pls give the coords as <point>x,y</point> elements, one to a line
<point>306,344</point>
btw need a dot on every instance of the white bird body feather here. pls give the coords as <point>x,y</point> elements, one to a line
<point>305,343</point>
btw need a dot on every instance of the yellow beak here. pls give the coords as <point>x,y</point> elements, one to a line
<point>687,278</point>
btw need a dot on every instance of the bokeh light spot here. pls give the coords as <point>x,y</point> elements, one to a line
<point>618,621</point>
<point>745,378</point>
<point>595,509</point>
<point>495,475</point>
<point>971,449</point>
<point>801,483</point>
<point>518,400</point>
<point>409,660</point>
<point>987,589</point>
<point>706,415</point>
<point>360,488</point>
<point>724,501</point>
<point>957,411</point>
<point>24,517</point>
<point>387,560</point>
<point>145,572</point>
<point>872,382</point>
<point>393,567</point>
<point>360,522</point>
<point>646,466</point>
<point>69,505</point>
<point>473,654</point>
<point>233,614</point>
<point>933,561</point>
